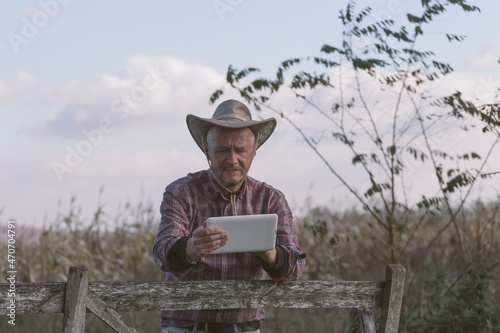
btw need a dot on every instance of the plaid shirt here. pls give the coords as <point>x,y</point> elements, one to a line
<point>187,203</point>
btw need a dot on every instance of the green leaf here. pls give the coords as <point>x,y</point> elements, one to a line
<point>375,159</point>
<point>391,150</point>
<point>458,38</point>
<point>475,156</point>
<point>415,19</point>
<point>417,154</point>
<point>376,188</point>
<point>461,180</point>
<point>325,62</point>
<point>342,138</point>
<point>290,62</point>
<point>359,159</point>
<point>451,172</point>
<point>215,96</point>
<point>368,64</point>
<point>427,203</point>
<point>330,49</point>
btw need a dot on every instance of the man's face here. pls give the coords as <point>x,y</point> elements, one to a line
<point>231,153</point>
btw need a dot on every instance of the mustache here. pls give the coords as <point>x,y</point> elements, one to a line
<point>231,168</point>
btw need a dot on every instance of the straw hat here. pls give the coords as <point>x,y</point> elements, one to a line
<point>230,114</point>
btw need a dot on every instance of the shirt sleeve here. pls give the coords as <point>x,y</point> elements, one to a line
<point>280,268</point>
<point>178,258</point>
<point>287,240</point>
<point>173,229</point>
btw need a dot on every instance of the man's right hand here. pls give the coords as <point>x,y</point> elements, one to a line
<point>204,241</point>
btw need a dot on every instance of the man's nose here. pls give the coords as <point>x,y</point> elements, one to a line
<point>232,157</point>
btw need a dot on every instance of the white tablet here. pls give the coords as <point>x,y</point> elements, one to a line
<point>246,233</point>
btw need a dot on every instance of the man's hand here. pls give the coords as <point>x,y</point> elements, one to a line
<point>269,257</point>
<point>204,241</point>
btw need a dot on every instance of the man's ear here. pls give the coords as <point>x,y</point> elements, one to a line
<point>205,146</point>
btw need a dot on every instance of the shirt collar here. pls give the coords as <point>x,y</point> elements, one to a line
<point>213,190</point>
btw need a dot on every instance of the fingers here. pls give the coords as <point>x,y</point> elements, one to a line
<point>206,240</point>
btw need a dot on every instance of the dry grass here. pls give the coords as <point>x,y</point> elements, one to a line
<point>118,250</point>
<point>345,246</point>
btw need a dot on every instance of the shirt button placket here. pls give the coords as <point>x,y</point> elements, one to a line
<point>220,314</point>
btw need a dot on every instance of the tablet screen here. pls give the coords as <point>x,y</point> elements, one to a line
<point>246,233</point>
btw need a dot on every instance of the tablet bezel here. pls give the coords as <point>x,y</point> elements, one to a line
<point>247,233</point>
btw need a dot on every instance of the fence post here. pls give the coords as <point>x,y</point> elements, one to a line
<point>392,298</point>
<point>75,300</point>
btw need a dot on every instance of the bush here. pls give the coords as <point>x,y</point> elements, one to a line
<point>462,304</point>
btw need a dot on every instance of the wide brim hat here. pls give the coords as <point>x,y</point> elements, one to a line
<point>230,114</point>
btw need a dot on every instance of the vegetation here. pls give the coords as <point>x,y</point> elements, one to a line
<point>113,250</point>
<point>376,98</point>
<point>339,246</point>
<point>371,96</point>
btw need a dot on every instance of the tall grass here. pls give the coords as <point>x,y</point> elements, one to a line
<point>113,249</point>
<point>455,287</point>
<point>339,246</point>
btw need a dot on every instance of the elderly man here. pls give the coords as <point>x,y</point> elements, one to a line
<point>183,245</point>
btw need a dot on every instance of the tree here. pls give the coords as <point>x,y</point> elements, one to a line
<point>373,95</point>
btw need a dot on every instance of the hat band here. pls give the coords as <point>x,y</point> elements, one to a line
<point>231,116</point>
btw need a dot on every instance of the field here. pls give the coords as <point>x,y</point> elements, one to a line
<point>451,285</point>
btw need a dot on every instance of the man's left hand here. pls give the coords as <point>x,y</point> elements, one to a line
<point>269,257</point>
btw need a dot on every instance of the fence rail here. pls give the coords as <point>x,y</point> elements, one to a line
<point>106,299</point>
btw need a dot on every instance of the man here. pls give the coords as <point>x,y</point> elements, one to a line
<point>183,245</point>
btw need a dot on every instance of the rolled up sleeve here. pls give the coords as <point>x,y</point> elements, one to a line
<point>174,225</point>
<point>288,241</point>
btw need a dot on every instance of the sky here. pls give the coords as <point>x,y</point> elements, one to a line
<point>94,95</point>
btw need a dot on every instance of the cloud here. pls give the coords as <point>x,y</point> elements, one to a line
<point>144,88</point>
<point>487,57</point>
<point>24,84</point>
<point>71,120</point>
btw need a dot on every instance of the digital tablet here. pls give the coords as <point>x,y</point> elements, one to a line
<point>246,233</point>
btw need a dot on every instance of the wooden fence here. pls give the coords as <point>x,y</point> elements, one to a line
<point>106,299</point>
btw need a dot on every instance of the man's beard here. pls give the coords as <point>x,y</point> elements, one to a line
<point>230,181</point>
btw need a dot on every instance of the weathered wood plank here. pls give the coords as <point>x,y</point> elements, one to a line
<point>361,320</point>
<point>350,322</point>
<point>393,298</point>
<point>367,323</point>
<point>75,300</point>
<point>151,296</point>
<point>108,314</point>
<point>44,297</point>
